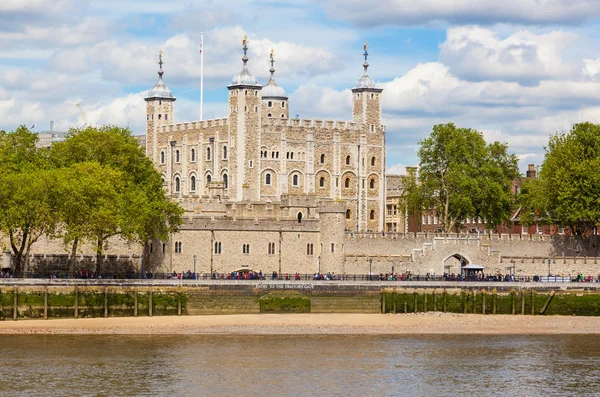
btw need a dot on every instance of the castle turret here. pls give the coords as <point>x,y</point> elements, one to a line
<point>331,215</point>
<point>159,111</point>
<point>366,99</point>
<point>244,127</point>
<point>274,98</point>
<point>366,110</point>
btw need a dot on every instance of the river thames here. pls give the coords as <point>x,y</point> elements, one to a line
<point>205,365</point>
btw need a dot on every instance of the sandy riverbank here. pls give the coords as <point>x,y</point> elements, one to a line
<point>312,324</point>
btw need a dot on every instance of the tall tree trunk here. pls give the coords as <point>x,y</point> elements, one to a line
<point>73,258</point>
<point>99,255</point>
<point>18,251</point>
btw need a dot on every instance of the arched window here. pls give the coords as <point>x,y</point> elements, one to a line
<point>193,183</point>
<point>269,115</point>
<point>322,182</point>
<point>283,104</point>
<point>282,116</point>
<point>348,160</point>
<point>322,158</point>
<point>268,179</point>
<point>166,117</point>
<point>224,152</point>
<point>225,181</point>
<point>208,153</point>
<point>177,156</point>
<point>177,186</point>
<point>273,155</point>
<point>162,157</point>
<point>208,178</point>
<point>348,214</point>
<point>299,217</point>
<point>372,215</point>
<point>373,161</point>
<point>159,116</point>
<point>295,180</point>
<point>270,105</point>
<point>291,155</point>
<point>347,183</point>
<point>372,183</point>
<point>193,154</point>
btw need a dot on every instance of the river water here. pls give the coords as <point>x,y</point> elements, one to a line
<point>199,365</point>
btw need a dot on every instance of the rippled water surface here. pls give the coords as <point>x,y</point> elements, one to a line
<point>196,365</point>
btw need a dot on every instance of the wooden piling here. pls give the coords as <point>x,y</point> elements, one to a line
<point>105,302</point>
<point>179,303</point>
<point>76,315</point>
<point>46,303</point>
<point>135,303</point>
<point>512,301</point>
<point>415,301</point>
<point>494,297</point>
<point>434,301</point>
<point>425,301</point>
<point>15,303</point>
<point>483,302</point>
<point>150,303</point>
<point>522,302</point>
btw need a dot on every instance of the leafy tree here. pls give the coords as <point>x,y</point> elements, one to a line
<point>460,176</point>
<point>567,190</point>
<point>84,196</point>
<point>141,211</point>
<point>26,181</point>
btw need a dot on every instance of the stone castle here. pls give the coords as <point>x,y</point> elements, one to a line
<point>262,189</point>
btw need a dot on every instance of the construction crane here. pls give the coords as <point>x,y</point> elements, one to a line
<point>82,115</point>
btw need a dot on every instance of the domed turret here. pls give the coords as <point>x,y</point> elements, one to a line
<point>272,89</point>
<point>365,81</point>
<point>244,77</point>
<point>160,89</point>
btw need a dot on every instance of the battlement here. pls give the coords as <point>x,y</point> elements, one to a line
<point>193,125</point>
<point>249,224</point>
<point>298,200</point>
<point>310,123</point>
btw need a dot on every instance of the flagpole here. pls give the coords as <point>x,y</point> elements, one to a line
<point>201,73</point>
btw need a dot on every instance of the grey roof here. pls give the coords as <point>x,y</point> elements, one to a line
<point>244,77</point>
<point>160,91</point>
<point>365,81</point>
<point>272,89</point>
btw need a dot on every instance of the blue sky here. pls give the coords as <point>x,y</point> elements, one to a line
<point>517,70</point>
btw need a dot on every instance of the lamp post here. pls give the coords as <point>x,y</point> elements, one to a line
<point>370,268</point>
<point>195,267</point>
<point>549,261</point>
<point>319,268</point>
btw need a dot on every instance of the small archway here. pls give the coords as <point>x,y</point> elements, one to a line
<point>454,263</point>
<point>299,217</point>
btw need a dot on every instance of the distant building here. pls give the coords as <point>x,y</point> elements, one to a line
<point>47,137</point>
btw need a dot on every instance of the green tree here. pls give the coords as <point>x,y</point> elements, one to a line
<point>84,197</point>
<point>26,211</point>
<point>460,176</point>
<point>567,190</point>
<point>141,211</point>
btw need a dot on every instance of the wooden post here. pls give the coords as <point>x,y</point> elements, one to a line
<point>2,316</point>
<point>415,301</point>
<point>15,303</point>
<point>46,304</point>
<point>512,301</point>
<point>383,303</point>
<point>522,302</point>
<point>179,303</point>
<point>474,302</point>
<point>543,311</point>
<point>135,303</point>
<point>434,301</point>
<point>532,304</point>
<point>464,301</point>
<point>150,303</point>
<point>105,302</point>
<point>394,303</point>
<point>76,303</point>
<point>444,296</point>
<point>494,302</point>
<point>405,304</point>
<point>483,302</point>
<point>425,301</point>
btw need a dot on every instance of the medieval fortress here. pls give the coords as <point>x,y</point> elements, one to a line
<point>265,191</point>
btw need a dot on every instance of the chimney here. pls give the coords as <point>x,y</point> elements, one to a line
<point>531,171</point>
<point>51,126</point>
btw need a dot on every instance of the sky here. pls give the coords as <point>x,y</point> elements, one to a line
<point>516,70</point>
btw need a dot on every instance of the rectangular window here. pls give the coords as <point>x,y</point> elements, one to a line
<point>423,220</point>
<point>332,247</point>
<point>429,219</point>
<point>436,220</point>
<point>395,210</point>
<point>389,210</point>
<point>251,164</point>
<point>561,230</point>
<point>539,229</point>
<point>523,229</point>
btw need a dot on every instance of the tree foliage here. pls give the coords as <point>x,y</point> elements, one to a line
<point>567,190</point>
<point>461,176</point>
<point>96,184</point>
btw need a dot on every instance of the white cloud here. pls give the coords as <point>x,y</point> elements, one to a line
<point>396,169</point>
<point>409,12</point>
<point>478,53</point>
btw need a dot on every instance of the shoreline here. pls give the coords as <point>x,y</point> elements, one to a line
<point>432,323</point>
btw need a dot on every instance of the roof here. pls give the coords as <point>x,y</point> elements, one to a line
<point>473,267</point>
